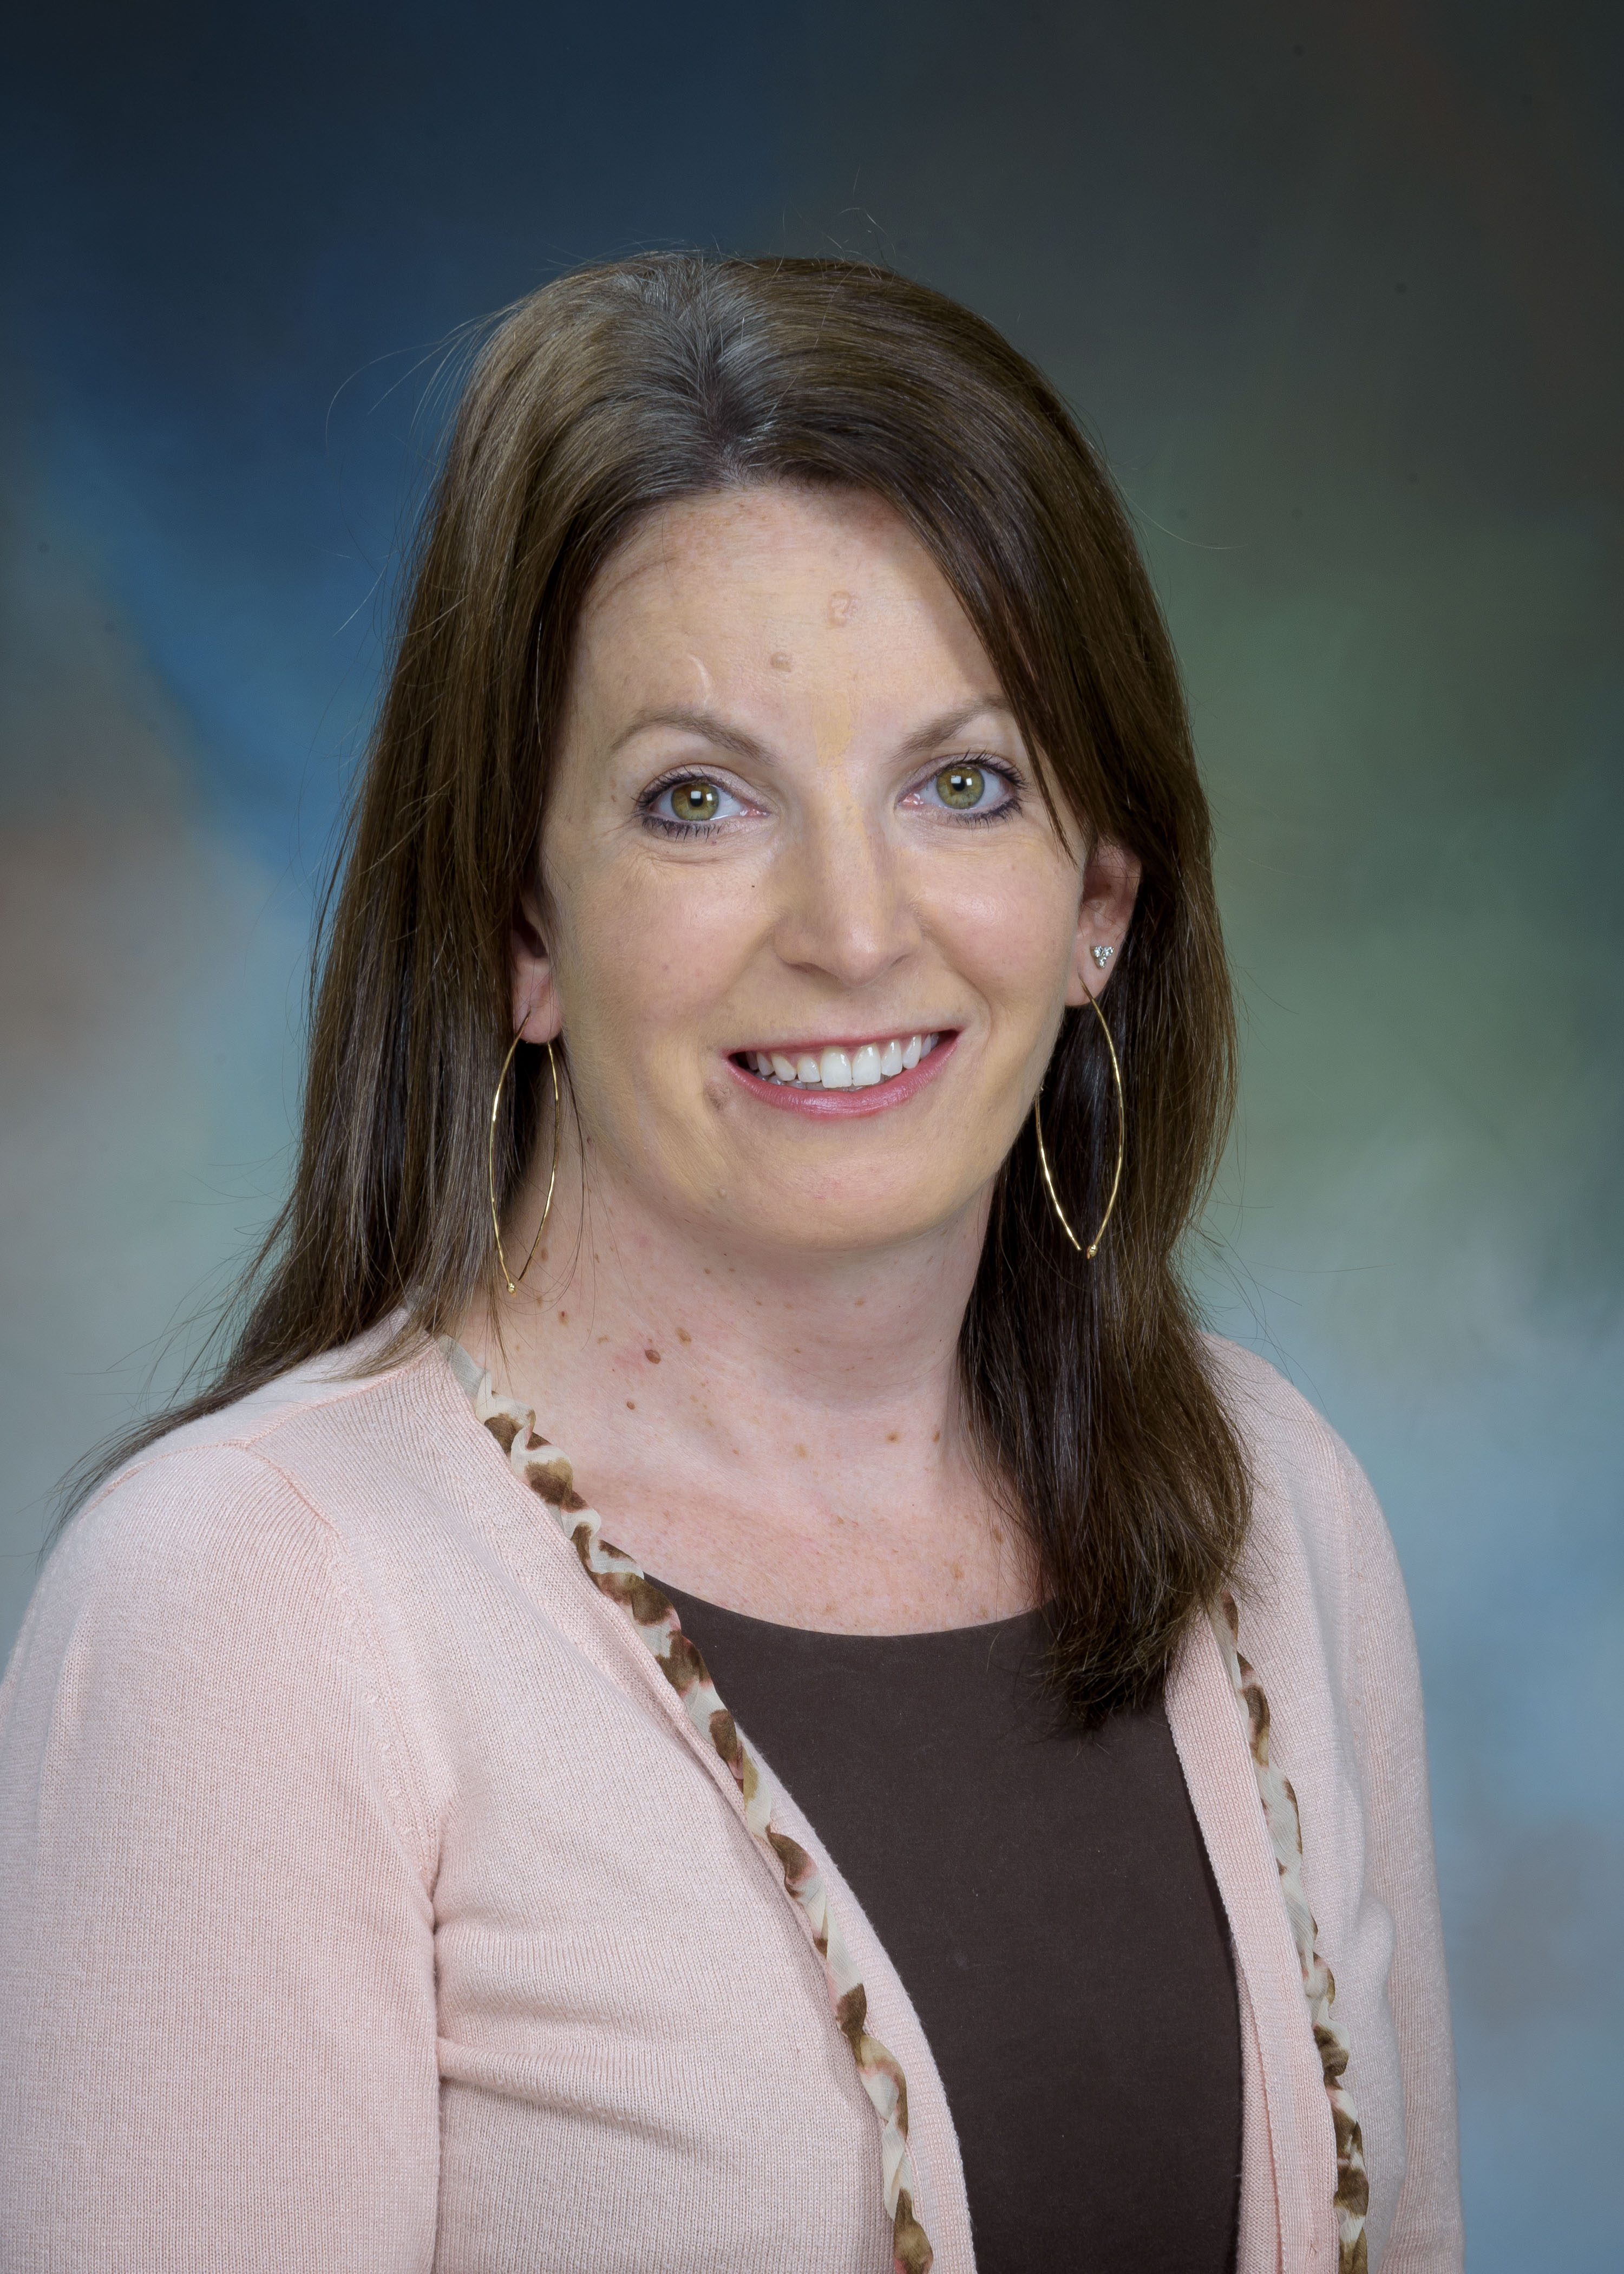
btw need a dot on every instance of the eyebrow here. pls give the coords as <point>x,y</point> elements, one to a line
<point>704,723</point>
<point>712,728</point>
<point>943,729</point>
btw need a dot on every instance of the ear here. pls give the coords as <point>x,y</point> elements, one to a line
<point>1110,886</point>
<point>536,1014</point>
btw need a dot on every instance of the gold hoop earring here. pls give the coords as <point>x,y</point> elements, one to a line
<point>513,1284</point>
<point>1093,1248</point>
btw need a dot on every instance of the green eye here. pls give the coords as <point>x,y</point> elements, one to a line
<point>960,786</point>
<point>694,800</point>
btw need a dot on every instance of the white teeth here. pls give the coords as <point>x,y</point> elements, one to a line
<point>835,1070</point>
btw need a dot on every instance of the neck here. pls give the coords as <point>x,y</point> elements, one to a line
<point>729,1409</point>
<point>849,1338</point>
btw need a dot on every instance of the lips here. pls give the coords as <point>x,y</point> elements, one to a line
<point>838,1080</point>
<point>835,1065</point>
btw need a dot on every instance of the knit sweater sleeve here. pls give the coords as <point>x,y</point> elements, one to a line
<point>1389,1734</point>
<point>217,2022</point>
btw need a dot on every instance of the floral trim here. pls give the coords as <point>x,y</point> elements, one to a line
<point>545,1469</point>
<point>1285,1829</point>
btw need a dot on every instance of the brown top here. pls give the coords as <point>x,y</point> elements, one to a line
<point>1047,1898</point>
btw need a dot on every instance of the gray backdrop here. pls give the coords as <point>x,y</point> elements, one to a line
<point>1338,289</point>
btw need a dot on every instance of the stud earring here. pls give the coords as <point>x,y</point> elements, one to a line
<point>1101,955</point>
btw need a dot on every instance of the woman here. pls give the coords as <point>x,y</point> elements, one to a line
<point>773,1035</point>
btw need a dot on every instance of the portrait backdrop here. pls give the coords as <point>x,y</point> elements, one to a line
<point>1337,290</point>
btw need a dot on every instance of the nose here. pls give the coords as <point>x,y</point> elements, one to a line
<point>848,912</point>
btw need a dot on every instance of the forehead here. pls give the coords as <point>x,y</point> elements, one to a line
<point>795,580</point>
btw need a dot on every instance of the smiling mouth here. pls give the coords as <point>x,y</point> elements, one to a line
<point>833,1066</point>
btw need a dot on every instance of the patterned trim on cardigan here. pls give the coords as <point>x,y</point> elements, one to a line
<point>1285,1829</point>
<point>548,1475</point>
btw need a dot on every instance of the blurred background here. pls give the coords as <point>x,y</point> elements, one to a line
<point>1337,290</point>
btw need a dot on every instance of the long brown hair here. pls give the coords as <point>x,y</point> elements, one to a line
<point>597,400</point>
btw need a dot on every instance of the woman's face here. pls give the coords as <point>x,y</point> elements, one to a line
<point>803,920</point>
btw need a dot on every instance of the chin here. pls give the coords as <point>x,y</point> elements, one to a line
<point>812,1221</point>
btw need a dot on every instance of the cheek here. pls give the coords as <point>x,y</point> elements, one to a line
<point>647,951</point>
<point>1012,933</point>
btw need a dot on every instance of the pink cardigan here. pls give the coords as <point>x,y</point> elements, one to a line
<point>369,1902</point>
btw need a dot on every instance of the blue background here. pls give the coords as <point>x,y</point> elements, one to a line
<point>1338,289</point>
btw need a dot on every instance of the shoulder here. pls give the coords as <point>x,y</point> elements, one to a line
<point>1316,1525</point>
<point>256,1498</point>
<point>1292,1450</point>
<point>1319,1578</point>
<point>331,1392</point>
<point>1272,1413</point>
<point>205,1629</point>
